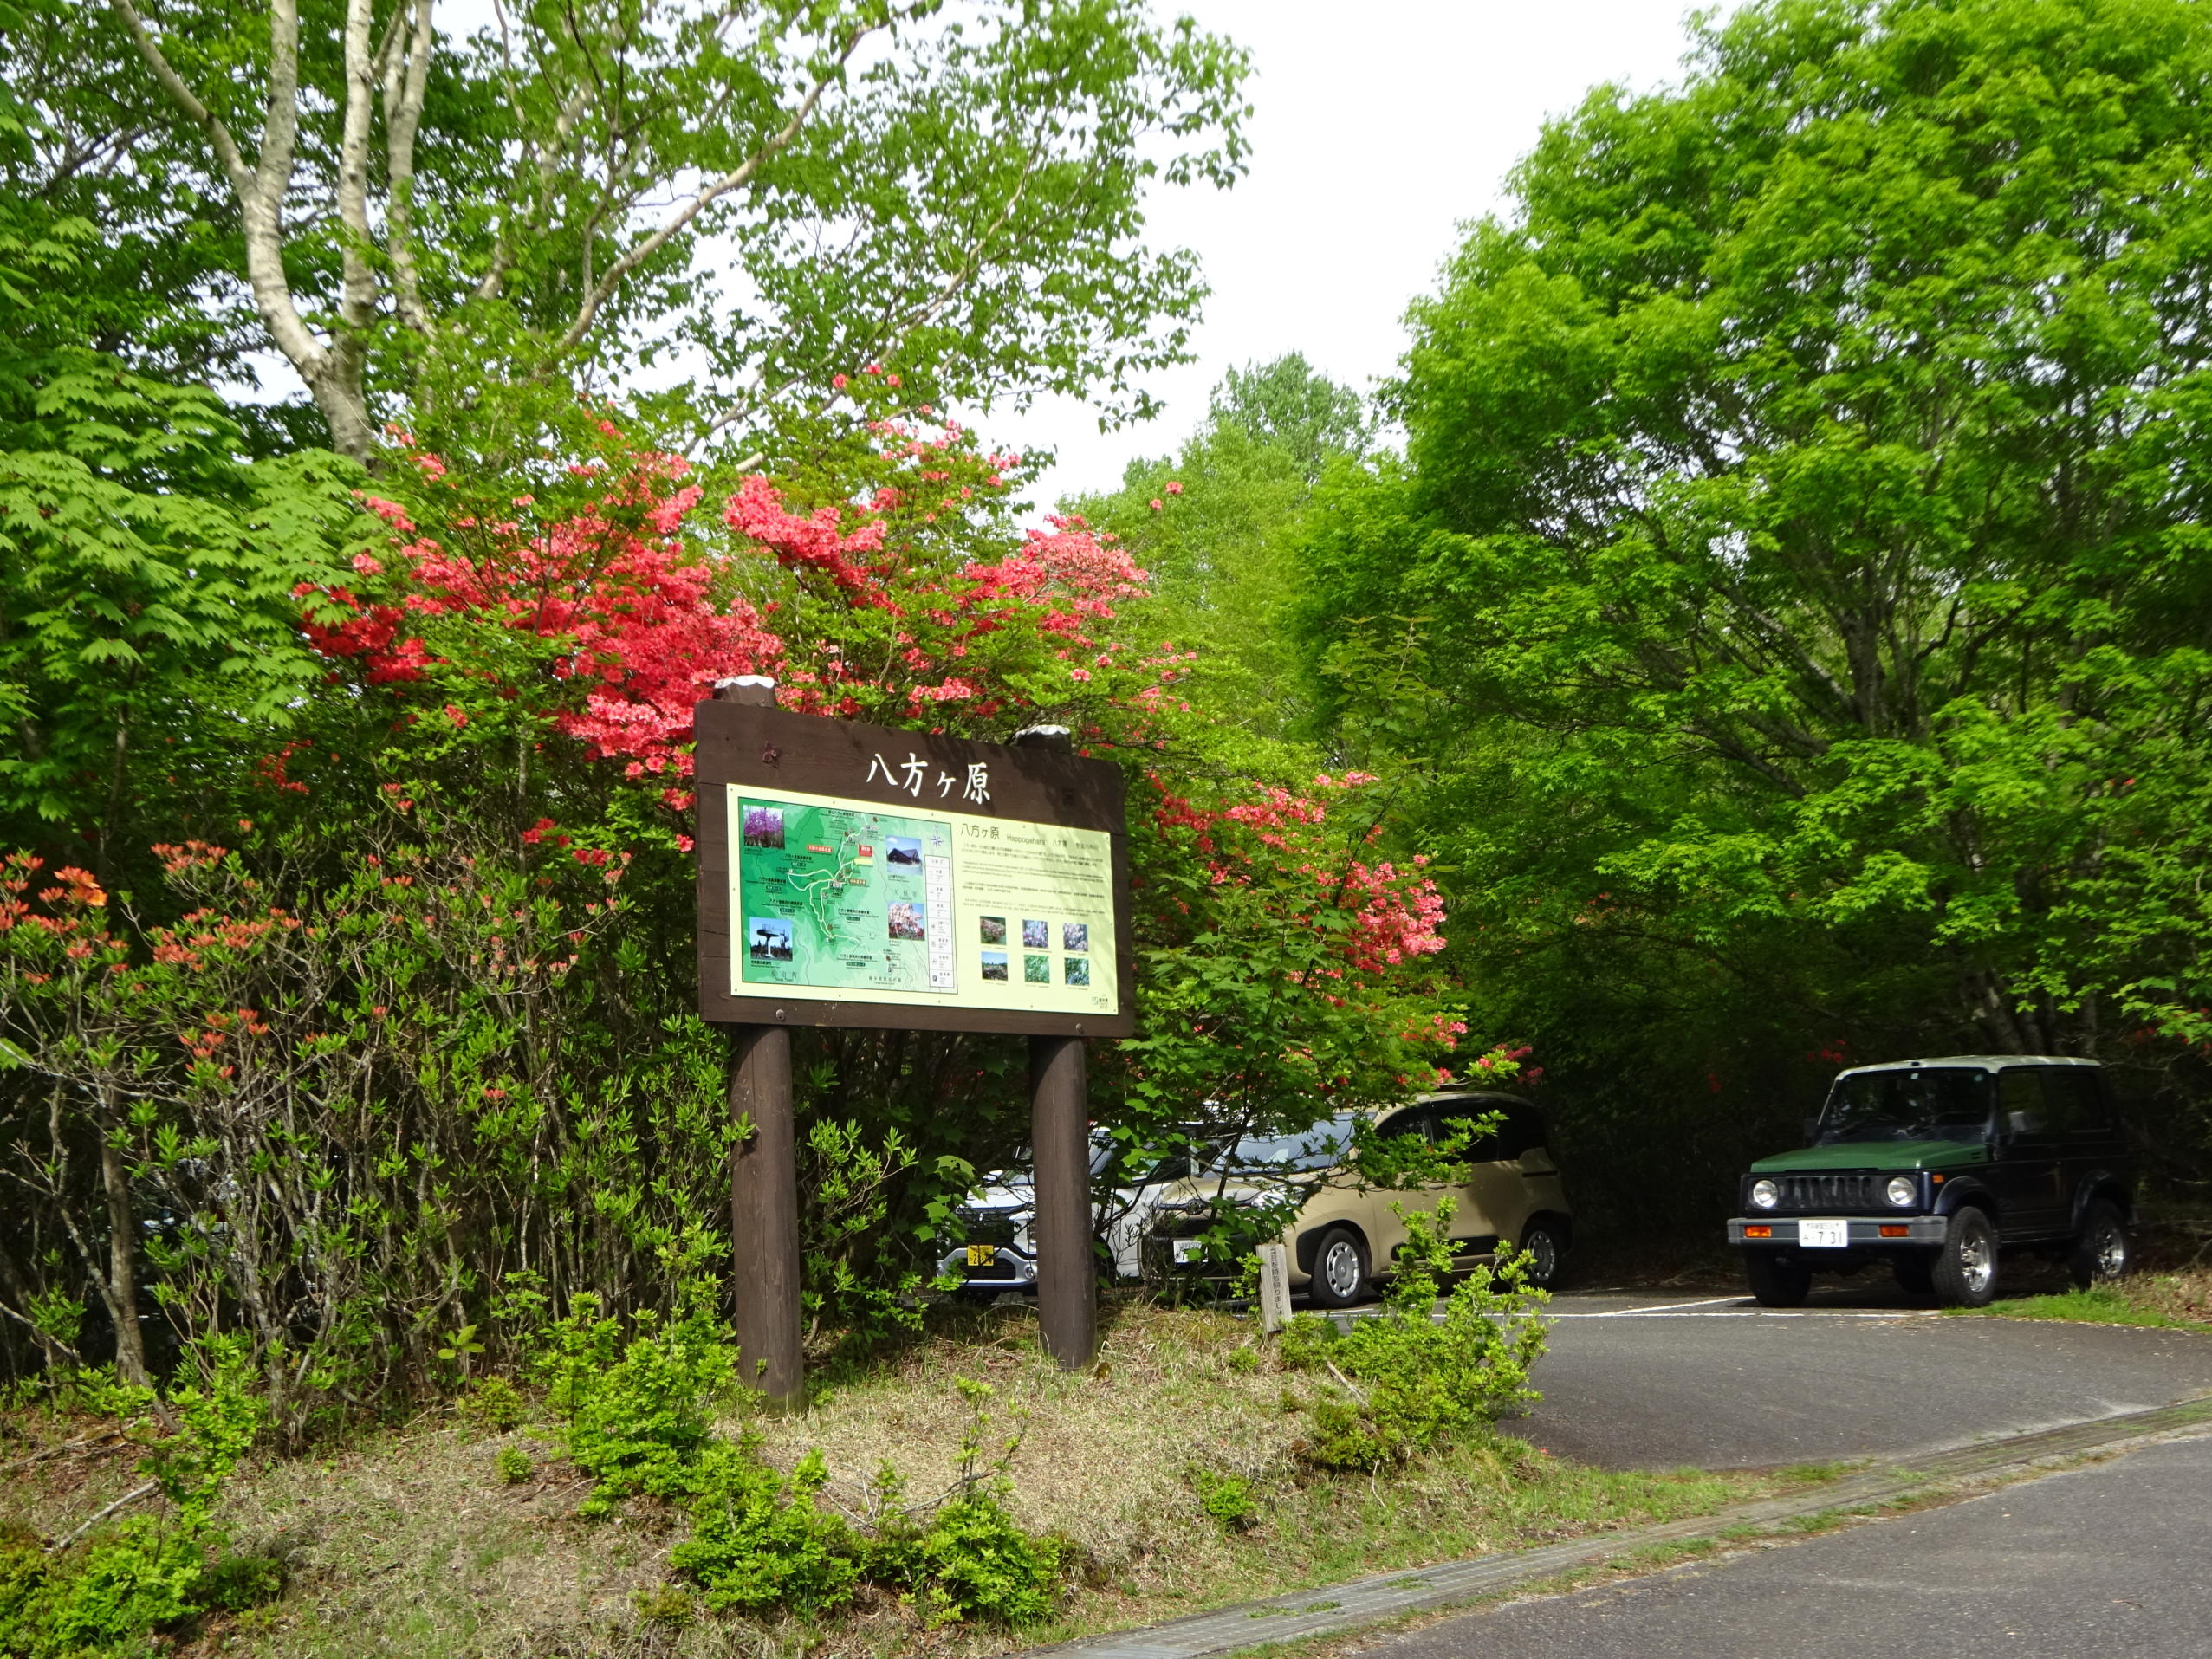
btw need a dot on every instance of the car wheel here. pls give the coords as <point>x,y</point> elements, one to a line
<point>1965,1273</point>
<point>1777,1280</point>
<point>2102,1250</point>
<point>1340,1269</point>
<point>1916,1275</point>
<point>1545,1251</point>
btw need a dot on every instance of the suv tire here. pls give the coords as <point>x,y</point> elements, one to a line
<point>1546,1250</point>
<point>1777,1280</point>
<point>2102,1250</point>
<point>1340,1276</point>
<point>1966,1266</point>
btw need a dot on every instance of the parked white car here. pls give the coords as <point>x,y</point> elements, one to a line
<point>994,1252</point>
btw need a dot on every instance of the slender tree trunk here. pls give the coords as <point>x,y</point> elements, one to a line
<point>111,821</point>
<point>122,1266</point>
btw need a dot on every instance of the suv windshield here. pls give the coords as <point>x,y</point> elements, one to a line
<point>1938,1103</point>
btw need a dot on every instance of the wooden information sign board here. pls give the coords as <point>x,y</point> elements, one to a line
<point>854,875</point>
<point>861,876</point>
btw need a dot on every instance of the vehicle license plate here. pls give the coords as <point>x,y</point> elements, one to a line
<point>1189,1250</point>
<point>982,1255</point>
<point>1824,1235</point>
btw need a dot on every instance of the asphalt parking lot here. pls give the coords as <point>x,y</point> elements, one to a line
<point>1650,1381</point>
<point>2114,1559</point>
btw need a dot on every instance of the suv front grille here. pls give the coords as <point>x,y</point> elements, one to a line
<point>1828,1192</point>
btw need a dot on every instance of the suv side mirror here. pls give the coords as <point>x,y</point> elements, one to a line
<point>1811,1126</point>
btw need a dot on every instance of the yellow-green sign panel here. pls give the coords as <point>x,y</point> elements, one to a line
<point>848,900</point>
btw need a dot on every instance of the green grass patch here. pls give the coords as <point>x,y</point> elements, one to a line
<point>1813,1475</point>
<point>2102,1305</point>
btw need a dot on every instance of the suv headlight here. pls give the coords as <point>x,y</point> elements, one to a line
<point>1902,1190</point>
<point>1764,1194</point>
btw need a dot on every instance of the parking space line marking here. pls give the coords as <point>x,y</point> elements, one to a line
<point>1664,1307</point>
<point>1760,1313</point>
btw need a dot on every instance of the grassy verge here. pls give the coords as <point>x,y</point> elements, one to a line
<point>421,1540</point>
<point>2177,1301</point>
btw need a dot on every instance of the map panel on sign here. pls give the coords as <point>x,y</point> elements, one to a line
<point>849,899</point>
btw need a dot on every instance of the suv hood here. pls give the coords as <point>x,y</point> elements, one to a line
<point>1875,1155</point>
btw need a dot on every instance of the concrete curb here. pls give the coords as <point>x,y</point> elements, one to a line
<point>1346,1607</point>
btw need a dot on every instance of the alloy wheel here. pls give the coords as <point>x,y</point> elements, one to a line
<point>1976,1261</point>
<point>1340,1267</point>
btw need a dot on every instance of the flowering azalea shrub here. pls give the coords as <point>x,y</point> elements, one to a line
<point>1287,971</point>
<point>442,992</point>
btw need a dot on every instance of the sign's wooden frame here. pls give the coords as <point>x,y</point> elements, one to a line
<point>776,749</point>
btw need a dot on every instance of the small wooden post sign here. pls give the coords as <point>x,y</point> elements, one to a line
<point>1274,1287</point>
<point>857,875</point>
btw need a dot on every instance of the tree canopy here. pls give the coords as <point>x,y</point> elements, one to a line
<point>1802,521</point>
<point>746,199</point>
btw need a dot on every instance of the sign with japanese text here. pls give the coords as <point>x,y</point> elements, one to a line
<point>858,874</point>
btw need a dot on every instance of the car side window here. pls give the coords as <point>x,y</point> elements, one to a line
<point>1452,1115</point>
<point>1404,1123</point>
<point>1516,1130</point>
<point>2076,1104</point>
<point>2020,1101</point>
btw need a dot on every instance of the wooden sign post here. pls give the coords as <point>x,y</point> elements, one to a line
<point>861,876</point>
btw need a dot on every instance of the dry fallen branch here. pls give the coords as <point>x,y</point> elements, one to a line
<point>103,1441</point>
<point>131,1497</point>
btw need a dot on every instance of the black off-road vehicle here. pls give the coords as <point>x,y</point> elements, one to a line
<point>1939,1167</point>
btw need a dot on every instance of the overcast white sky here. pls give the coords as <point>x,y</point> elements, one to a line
<point>1377,129</point>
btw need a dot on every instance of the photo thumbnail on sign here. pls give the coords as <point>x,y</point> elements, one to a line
<point>995,964</point>
<point>993,929</point>
<point>1036,935</point>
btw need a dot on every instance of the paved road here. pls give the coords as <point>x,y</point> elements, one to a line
<point>1652,1381</point>
<point>2115,1559</point>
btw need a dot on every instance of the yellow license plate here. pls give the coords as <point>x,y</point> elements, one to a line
<point>982,1255</point>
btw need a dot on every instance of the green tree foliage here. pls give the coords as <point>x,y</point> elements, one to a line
<point>1289,405</point>
<point>1800,542</point>
<point>438,225</point>
<point>1216,529</point>
<point>148,628</point>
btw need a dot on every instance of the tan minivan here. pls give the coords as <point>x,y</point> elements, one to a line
<point>1346,1233</point>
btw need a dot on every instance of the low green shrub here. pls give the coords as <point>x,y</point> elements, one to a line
<point>640,1412</point>
<point>1406,1380</point>
<point>493,1405</point>
<point>665,1605</point>
<point>758,1539</point>
<point>113,1595</point>
<point>1227,1497</point>
<point>145,1575</point>
<point>973,1561</point>
<point>514,1465</point>
<point>142,1577</point>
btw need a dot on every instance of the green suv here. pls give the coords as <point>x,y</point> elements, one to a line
<point>1938,1167</point>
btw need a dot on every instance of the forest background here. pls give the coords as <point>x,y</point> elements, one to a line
<point>1763,628</point>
